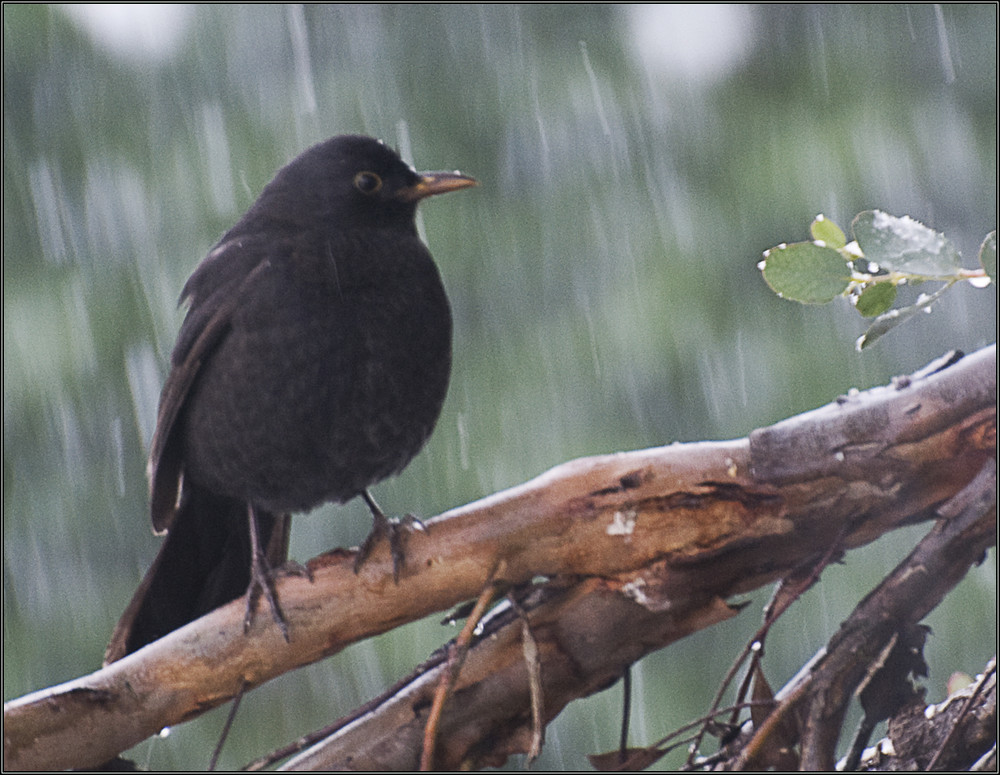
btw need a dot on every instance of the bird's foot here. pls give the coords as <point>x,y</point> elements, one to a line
<point>262,583</point>
<point>295,568</point>
<point>395,530</point>
<point>262,580</point>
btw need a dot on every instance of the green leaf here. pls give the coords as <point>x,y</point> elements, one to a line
<point>885,323</point>
<point>988,255</point>
<point>806,272</point>
<point>876,299</point>
<point>827,232</point>
<point>904,245</point>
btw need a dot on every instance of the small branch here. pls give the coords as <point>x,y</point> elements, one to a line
<point>529,647</point>
<point>456,657</point>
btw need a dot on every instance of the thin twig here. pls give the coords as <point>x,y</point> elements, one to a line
<point>456,657</point>
<point>756,643</point>
<point>626,713</point>
<point>529,647</point>
<point>227,726</point>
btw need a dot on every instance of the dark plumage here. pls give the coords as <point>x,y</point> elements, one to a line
<point>312,363</point>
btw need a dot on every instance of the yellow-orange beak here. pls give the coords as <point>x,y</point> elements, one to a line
<point>432,183</point>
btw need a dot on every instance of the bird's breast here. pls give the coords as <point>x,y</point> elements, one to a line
<point>327,381</point>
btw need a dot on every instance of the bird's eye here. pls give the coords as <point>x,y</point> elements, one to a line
<point>367,182</point>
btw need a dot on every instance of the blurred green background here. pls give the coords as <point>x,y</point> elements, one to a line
<point>634,161</point>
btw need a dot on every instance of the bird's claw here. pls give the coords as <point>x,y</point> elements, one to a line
<point>262,582</point>
<point>396,531</point>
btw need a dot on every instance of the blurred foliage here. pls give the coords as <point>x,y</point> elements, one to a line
<point>603,276</point>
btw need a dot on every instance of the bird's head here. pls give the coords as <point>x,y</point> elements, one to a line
<point>353,181</point>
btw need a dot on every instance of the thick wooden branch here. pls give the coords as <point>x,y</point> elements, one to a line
<point>642,547</point>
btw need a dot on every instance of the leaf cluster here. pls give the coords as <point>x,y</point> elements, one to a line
<point>887,252</point>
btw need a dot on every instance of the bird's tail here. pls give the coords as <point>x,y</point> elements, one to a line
<point>204,563</point>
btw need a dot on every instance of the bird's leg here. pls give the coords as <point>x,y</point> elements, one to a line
<point>261,580</point>
<point>383,527</point>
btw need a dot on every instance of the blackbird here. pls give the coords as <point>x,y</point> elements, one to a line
<point>312,363</point>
